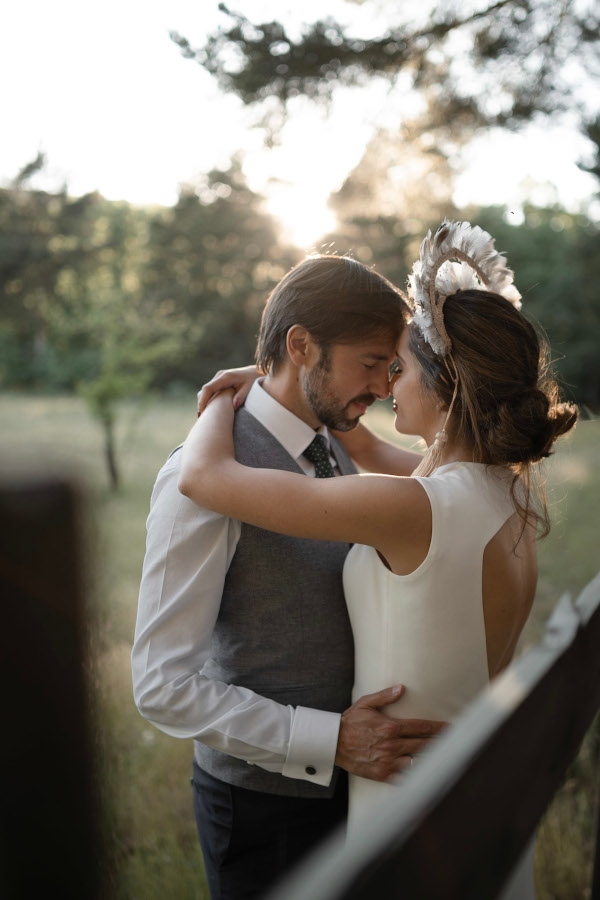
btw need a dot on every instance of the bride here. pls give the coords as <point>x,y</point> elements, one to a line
<point>442,574</point>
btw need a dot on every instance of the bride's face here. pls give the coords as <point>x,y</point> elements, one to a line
<point>418,411</point>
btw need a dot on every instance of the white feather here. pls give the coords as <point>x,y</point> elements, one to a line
<point>455,275</point>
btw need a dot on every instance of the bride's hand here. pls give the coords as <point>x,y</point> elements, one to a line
<point>241,380</point>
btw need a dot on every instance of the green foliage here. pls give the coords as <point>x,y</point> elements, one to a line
<point>43,237</point>
<point>556,258</point>
<point>110,300</point>
<point>498,64</point>
<point>592,131</point>
<point>213,257</point>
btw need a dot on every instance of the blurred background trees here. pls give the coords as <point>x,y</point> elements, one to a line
<point>212,259</point>
<point>112,300</point>
<point>473,65</point>
<point>91,287</point>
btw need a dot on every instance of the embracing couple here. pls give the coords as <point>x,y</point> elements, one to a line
<point>300,621</point>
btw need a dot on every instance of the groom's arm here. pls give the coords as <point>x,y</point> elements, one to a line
<point>187,557</point>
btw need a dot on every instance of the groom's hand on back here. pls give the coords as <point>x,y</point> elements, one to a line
<point>373,745</point>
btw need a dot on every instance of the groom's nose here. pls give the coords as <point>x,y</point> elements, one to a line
<point>380,384</point>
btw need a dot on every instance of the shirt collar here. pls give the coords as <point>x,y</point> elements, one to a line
<point>293,434</point>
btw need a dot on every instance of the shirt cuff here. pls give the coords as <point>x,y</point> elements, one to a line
<point>312,746</point>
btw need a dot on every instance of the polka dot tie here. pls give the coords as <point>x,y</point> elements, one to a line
<point>318,454</point>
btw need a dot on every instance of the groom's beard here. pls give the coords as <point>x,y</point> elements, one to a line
<point>327,406</point>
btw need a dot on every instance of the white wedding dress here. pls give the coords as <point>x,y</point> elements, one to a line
<point>426,630</point>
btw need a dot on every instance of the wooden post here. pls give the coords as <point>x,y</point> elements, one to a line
<point>595,895</point>
<point>48,841</point>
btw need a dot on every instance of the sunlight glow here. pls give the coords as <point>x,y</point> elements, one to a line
<point>303,214</point>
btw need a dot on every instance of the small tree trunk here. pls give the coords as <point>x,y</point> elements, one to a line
<point>110,452</point>
<point>40,351</point>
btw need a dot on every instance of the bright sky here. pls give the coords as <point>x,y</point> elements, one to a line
<point>106,95</point>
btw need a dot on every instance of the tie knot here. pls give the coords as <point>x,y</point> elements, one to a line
<point>318,454</point>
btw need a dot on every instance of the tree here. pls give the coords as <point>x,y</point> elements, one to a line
<point>113,328</point>
<point>494,64</point>
<point>72,313</point>
<point>110,300</point>
<point>46,243</point>
<point>214,257</point>
<point>556,259</point>
<point>397,190</point>
<point>592,132</point>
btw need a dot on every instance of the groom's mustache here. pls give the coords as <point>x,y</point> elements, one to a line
<point>368,399</point>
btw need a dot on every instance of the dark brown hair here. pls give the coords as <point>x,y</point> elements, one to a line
<point>336,298</point>
<point>507,405</point>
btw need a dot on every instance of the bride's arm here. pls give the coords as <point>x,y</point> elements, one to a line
<point>368,509</point>
<point>374,454</point>
<point>240,379</point>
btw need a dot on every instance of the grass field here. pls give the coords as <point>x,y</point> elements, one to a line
<point>152,849</point>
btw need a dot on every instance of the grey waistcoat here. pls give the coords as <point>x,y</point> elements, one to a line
<point>283,629</point>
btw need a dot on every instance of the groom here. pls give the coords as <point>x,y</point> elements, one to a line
<point>243,641</point>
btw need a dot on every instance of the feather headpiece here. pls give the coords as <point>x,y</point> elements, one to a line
<point>436,276</point>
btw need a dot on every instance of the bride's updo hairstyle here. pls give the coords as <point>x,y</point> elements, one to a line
<point>506,405</point>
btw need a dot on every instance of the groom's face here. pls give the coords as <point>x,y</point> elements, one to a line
<point>347,378</point>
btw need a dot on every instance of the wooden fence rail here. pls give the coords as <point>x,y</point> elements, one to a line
<point>466,812</point>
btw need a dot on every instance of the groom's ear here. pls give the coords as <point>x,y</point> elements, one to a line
<point>301,347</point>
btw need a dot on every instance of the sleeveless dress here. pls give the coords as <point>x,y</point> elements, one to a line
<point>426,630</point>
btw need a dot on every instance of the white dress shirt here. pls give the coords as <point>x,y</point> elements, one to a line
<point>188,553</point>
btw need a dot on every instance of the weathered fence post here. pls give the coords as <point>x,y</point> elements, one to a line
<point>49,843</point>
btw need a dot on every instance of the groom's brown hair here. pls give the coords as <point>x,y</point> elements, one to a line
<point>337,299</point>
